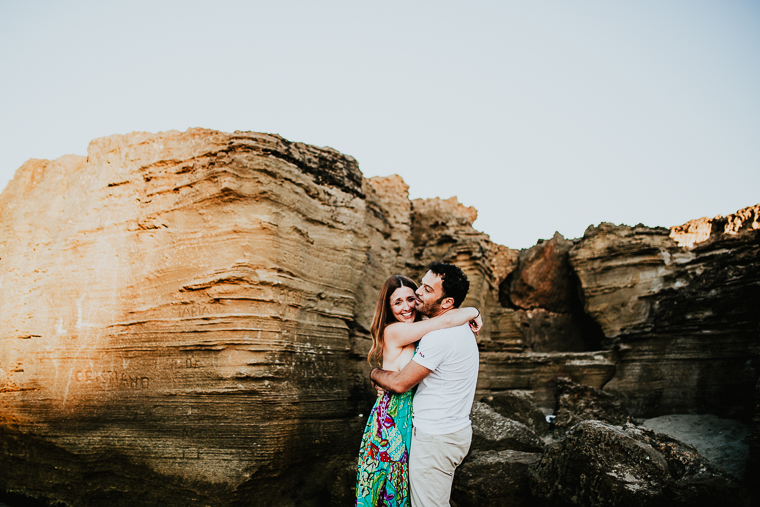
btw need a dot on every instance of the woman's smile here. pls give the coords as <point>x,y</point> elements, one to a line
<point>402,303</point>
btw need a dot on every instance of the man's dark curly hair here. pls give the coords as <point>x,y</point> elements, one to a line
<point>453,279</point>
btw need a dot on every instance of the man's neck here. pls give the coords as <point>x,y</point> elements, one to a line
<point>440,311</point>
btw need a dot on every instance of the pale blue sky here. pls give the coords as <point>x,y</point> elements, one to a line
<point>544,115</point>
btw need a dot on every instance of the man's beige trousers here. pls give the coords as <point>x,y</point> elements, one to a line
<point>432,462</point>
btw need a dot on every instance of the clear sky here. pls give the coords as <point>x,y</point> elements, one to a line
<point>544,115</point>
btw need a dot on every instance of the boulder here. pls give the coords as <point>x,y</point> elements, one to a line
<point>492,431</point>
<point>493,479</point>
<point>598,464</point>
<point>519,406</point>
<point>576,403</point>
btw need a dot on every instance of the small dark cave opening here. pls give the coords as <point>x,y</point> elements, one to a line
<point>577,326</point>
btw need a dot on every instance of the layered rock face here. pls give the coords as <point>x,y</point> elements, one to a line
<point>186,320</point>
<point>176,310</point>
<point>680,307</point>
<point>532,334</point>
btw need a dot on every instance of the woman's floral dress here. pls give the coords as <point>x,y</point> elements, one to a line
<point>383,477</point>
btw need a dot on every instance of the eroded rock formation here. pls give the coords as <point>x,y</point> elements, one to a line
<point>186,318</point>
<point>545,294</point>
<point>493,431</point>
<point>176,310</point>
<point>519,406</point>
<point>576,403</point>
<point>683,318</point>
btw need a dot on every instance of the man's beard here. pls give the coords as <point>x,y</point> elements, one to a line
<point>428,309</point>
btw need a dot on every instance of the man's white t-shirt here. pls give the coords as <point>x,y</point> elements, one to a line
<point>444,398</point>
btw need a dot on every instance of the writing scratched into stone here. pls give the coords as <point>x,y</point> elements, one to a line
<point>193,311</point>
<point>113,380</point>
<point>187,362</point>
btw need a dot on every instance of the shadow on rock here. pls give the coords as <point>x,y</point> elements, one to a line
<point>519,406</point>
<point>493,431</point>
<point>493,479</point>
<point>621,466</point>
<point>577,402</point>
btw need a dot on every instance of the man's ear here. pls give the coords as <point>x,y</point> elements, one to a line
<point>447,303</point>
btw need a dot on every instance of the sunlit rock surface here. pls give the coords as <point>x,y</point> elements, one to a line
<point>177,305</point>
<point>186,317</point>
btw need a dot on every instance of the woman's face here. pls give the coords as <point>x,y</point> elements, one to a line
<point>402,304</point>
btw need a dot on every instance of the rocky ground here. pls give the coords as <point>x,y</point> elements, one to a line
<point>595,453</point>
<point>721,441</point>
<point>725,442</point>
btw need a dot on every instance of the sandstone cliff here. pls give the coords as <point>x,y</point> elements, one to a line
<point>176,311</point>
<point>186,316</point>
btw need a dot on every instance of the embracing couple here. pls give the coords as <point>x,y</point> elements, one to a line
<point>414,440</point>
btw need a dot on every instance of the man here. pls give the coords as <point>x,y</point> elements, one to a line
<point>446,368</point>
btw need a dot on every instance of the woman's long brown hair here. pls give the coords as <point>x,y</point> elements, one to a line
<point>384,316</point>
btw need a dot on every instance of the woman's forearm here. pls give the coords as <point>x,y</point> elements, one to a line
<point>459,316</point>
<point>402,333</point>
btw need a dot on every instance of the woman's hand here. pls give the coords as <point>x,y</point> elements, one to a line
<point>376,387</point>
<point>476,324</point>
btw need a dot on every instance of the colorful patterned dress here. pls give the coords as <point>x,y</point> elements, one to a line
<point>383,477</point>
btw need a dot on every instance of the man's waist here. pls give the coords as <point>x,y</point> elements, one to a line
<point>438,427</point>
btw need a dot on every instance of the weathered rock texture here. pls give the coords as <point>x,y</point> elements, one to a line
<point>600,464</point>
<point>683,318</point>
<point>186,316</point>
<point>576,403</point>
<point>545,294</point>
<point>494,479</point>
<point>519,406</point>
<point>493,431</point>
<point>176,312</point>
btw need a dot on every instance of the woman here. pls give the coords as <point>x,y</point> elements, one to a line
<point>383,476</point>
